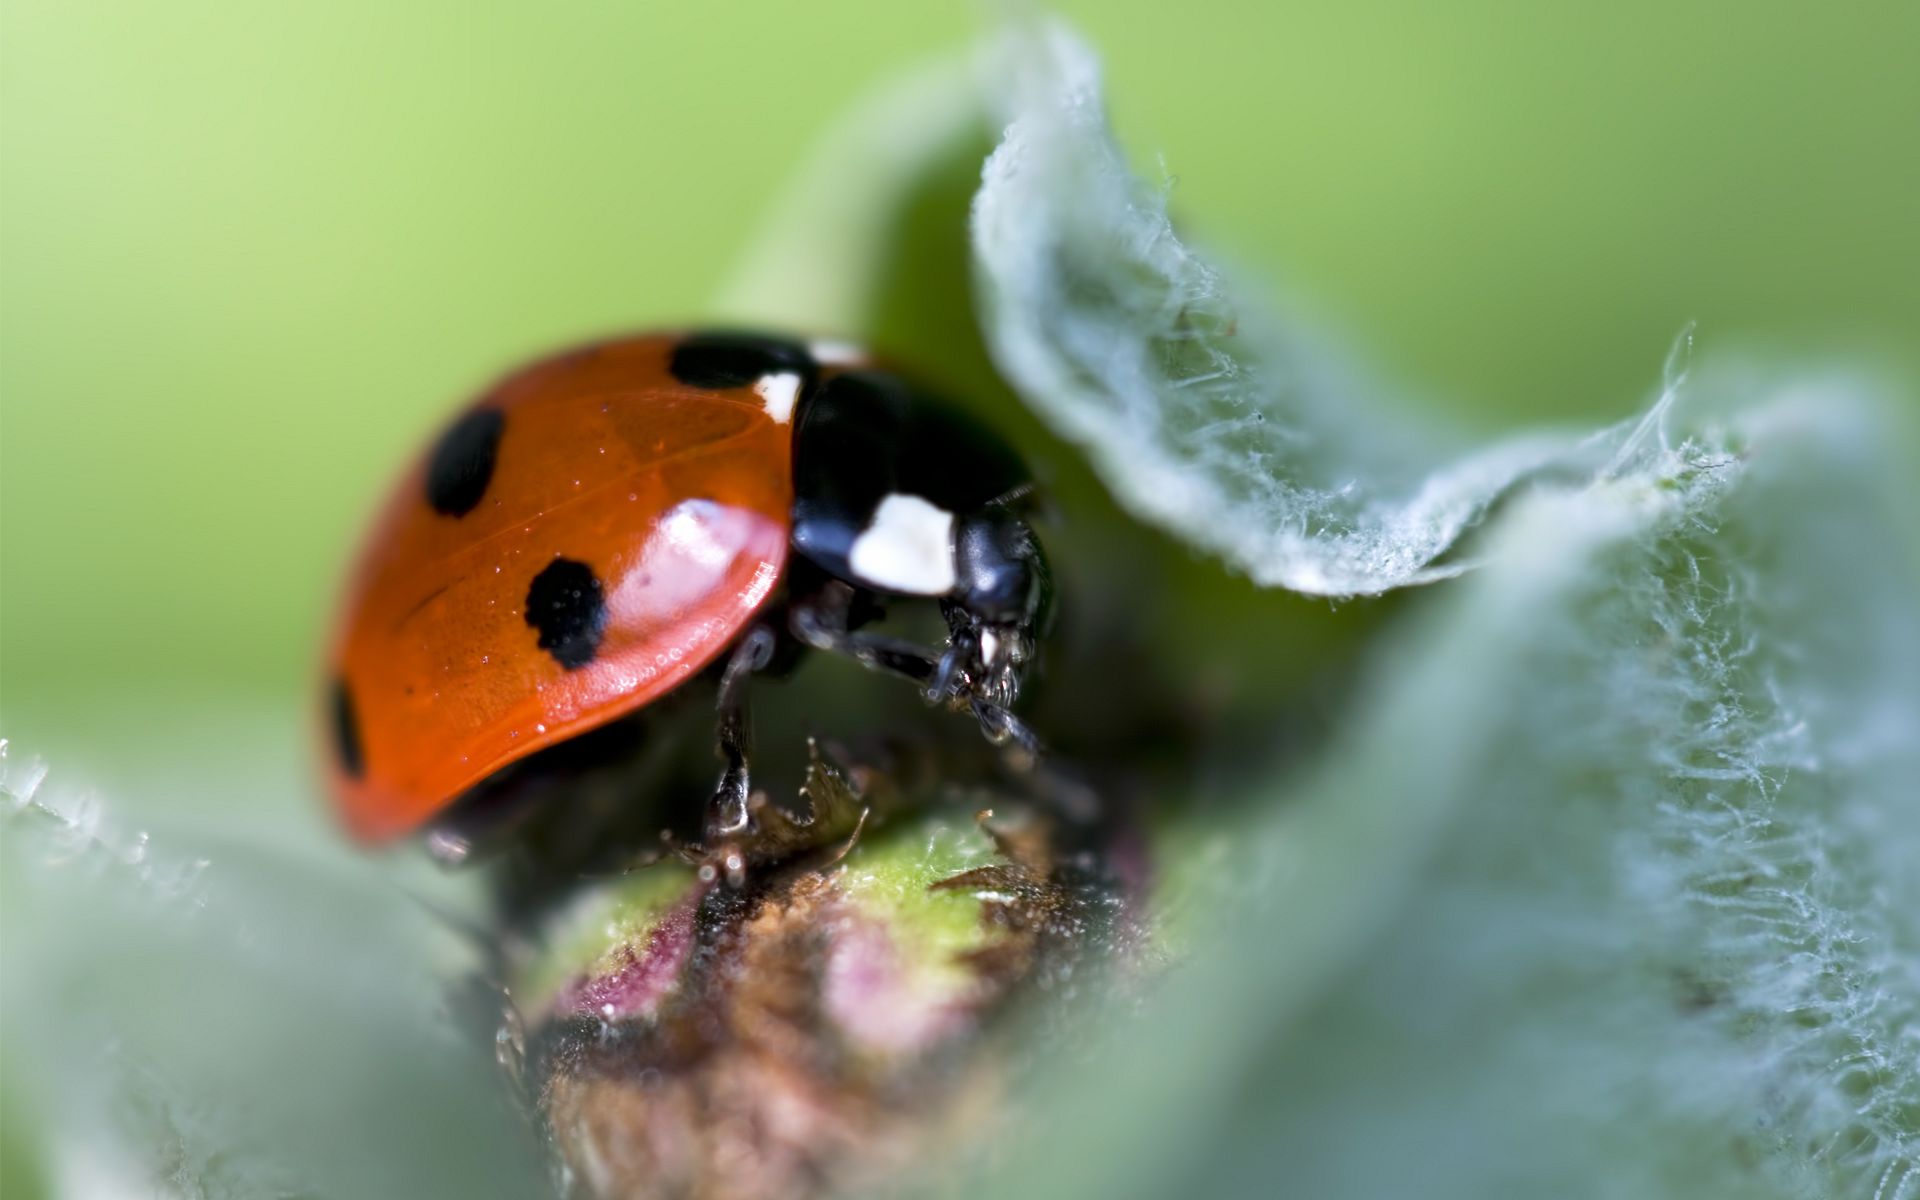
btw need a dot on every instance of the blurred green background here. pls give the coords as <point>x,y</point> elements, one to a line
<point>251,253</point>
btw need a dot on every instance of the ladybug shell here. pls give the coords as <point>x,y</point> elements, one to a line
<point>585,537</point>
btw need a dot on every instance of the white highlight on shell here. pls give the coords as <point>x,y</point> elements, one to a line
<point>693,532</point>
<point>907,547</point>
<point>778,393</point>
<point>829,352</point>
<point>689,556</point>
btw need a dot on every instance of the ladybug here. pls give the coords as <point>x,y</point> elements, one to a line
<point>599,527</point>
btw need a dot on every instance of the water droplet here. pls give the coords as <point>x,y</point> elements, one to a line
<point>448,848</point>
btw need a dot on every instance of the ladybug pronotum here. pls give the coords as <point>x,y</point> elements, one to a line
<point>602,525</point>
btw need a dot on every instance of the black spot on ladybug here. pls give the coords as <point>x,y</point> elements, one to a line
<point>346,731</point>
<point>462,463</point>
<point>731,360</point>
<point>566,607</point>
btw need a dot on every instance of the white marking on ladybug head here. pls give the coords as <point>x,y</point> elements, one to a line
<point>906,548</point>
<point>777,393</point>
<point>831,353</point>
<point>989,645</point>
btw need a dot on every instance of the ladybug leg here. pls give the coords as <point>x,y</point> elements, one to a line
<point>1002,728</point>
<point>822,622</point>
<point>727,811</point>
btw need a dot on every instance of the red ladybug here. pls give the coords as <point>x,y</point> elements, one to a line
<point>601,525</point>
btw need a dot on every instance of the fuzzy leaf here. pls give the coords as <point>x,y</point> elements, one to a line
<point>1202,413</point>
<point>1609,890</point>
<point>263,1014</point>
